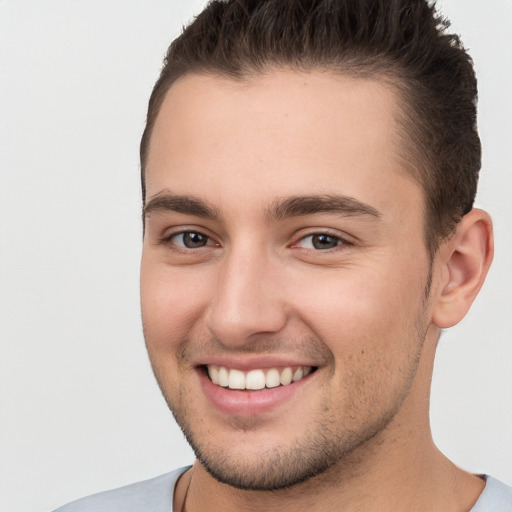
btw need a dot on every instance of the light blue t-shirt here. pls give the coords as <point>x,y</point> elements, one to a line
<point>156,495</point>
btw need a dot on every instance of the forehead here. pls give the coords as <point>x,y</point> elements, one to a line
<point>283,133</point>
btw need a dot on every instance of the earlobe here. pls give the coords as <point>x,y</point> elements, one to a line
<point>465,258</point>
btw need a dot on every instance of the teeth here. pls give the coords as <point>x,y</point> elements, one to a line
<point>213,372</point>
<point>286,377</point>
<point>236,379</point>
<point>223,377</point>
<point>299,373</point>
<point>256,379</point>
<point>272,379</point>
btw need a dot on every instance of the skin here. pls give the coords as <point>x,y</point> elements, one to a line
<point>366,311</point>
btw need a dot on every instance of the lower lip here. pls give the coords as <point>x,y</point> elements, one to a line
<point>249,403</point>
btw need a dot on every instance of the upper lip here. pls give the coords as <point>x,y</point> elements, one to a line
<point>247,363</point>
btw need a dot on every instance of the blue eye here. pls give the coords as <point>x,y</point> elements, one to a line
<point>320,241</point>
<point>190,240</point>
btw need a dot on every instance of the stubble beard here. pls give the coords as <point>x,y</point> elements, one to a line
<point>324,445</point>
<point>276,469</point>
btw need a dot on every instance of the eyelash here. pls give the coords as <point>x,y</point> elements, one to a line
<point>168,241</point>
<point>335,237</point>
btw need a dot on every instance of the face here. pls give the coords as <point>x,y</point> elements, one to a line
<point>284,271</point>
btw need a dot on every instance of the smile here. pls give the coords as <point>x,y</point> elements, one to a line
<point>258,378</point>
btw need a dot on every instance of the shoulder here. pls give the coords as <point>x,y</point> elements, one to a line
<point>496,497</point>
<point>155,494</point>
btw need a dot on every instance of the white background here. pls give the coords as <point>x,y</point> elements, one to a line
<point>80,411</point>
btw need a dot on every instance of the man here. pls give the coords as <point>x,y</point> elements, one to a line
<point>309,170</point>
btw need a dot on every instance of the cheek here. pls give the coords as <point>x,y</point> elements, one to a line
<point>355,309</point>
<point>171,303</point>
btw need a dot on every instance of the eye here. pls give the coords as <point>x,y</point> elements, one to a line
<point>190,240</point>
<point>320,241</point>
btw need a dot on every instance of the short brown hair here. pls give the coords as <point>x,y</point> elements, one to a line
<point>404,42</point>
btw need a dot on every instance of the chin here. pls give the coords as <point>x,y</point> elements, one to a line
<point>249,462</point>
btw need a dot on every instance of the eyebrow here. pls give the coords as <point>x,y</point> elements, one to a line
<point>308,205</point>
<point>188,205</point>
<point>294,206</point>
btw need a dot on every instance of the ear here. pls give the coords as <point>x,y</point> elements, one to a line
<point>465,259</point>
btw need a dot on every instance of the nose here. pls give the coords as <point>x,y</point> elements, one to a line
<point>248,300</point>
